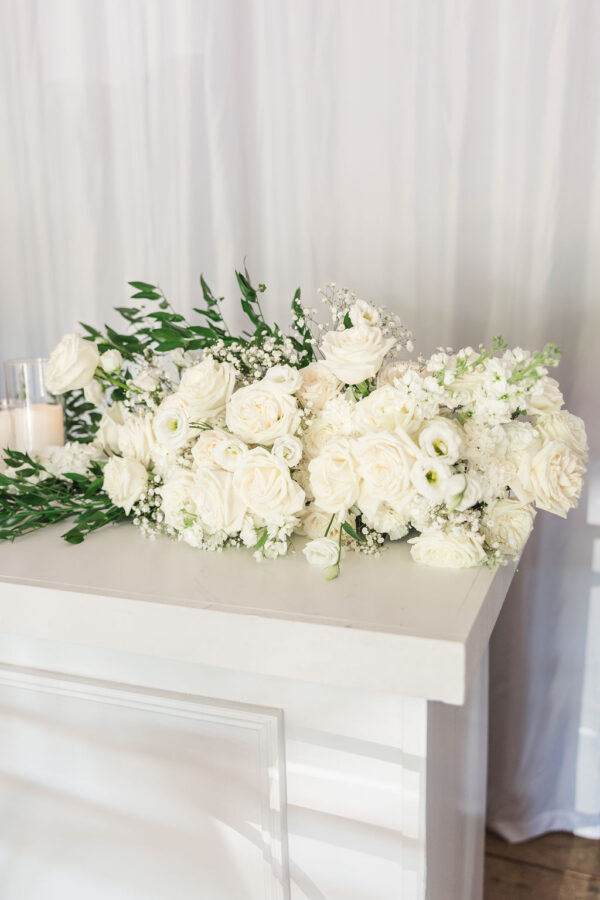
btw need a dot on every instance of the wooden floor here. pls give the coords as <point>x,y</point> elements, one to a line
<point>557,866</point>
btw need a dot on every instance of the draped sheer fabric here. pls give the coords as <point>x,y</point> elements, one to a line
<point>440,157</point>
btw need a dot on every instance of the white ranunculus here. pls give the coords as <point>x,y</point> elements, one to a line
<point>71,457</point>
<point>219,506</point>
<point>203,450</point>
<point>441,438</point>
<point>147,379</point>
<point>363,313</point>
<point>111,361</point>
<point>322,552</point>
<point>288,448</point>
<point>318,384</point>
<point>315,522</point>
<point>509,524</point>
<point>136,437</point>
<point>107,436</point>
<point>384,463</point>
<point>545,398</point>
<point>557,478</point>
<point>264,484</point>
<point>355,354</point>
<point>432,478</point>
<point>205,389</point>
<point>125,481</point>
<point>171,426</point>
<point>262,412</point>
<point>334,478</point>
<point>564,426</point>
<point>383,410</point>
<point>448,551</point>
<point>285,377</point>
<point>179,498</point>
<point>71,365</point>
<point>228,452</point>
<point>94,392</point>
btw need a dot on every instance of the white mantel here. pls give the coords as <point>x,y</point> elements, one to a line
<point>340,681</point>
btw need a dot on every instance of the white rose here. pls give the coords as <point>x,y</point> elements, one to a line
<point>171,426</point>
<point>384,463</point>
<point>228,452</point>
<point>262,412</point>
<point>447,551</point>
<point>111,361</point>
<point>178,498</point>
<point>264,484</point>
<point>318,384</point>
<point>71,365</point>
<point>288,448</point>
<point>136,438</point>
<point>383,410</point>
<point>203,451</point>
<point>356,353</point>
<point>322,552</point>
<point>564,426</point>
<point>219,506</point>
<point>147,379</point>
<point>545,397</point>
<point>205,389</point>
<point>433,478</point>
<point>363,313</point>
<point>557,478</point>
<point>443,438</point>
<point>334,478</point>
<point>315,522</point>
<point>285,377</point>
<point>509,524</point>
<point>94,392</point>
<point>107,435</point>
<point>125,481</point>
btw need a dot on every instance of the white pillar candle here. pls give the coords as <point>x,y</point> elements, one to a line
<point>37,426</point>
<point>6,429</point>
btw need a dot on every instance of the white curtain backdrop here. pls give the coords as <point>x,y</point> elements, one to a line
<point>440,156</point>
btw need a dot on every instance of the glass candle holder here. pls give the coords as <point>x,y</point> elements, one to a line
<point>37,416</point>
<point>6,427</point>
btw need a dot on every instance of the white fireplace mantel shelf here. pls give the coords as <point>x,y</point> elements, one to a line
<point>385,624</point>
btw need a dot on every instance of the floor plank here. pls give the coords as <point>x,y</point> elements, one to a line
<point>507,879</point>
<point>558,851</point>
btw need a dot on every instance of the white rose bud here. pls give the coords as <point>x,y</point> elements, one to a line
<point>125,481</point>
<point>111,361</point>
<point>285,377</point>
<point>71,365</point>
<point>447,551</point>
<point>322,552</point>
<point>355,354</point>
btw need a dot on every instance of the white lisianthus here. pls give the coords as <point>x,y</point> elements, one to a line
<point>262,412</point>
<point>107,436</point>
<point>228,451</point>
<point>557,478</point>
<point>285,377</point>
<point>454,550</point>
<point>433,478</point>
<point>147,379</point>
<point>334,477</point>
<point>441,438</point>
<point>564,426</point>
<point>179,498</point>
<point>363,313</point>
<point>219,506</point>
<point>137,438</point>
<point>125,481</point>
<point>383,410</point>
<point>288,448</point>
<point>545,398</point>
<point>171,426</point>
<point>264,484</point>
<point>71,457</point>
<point>71,365</point>
<point>111,361</point>
<point>384,464</point>
<point>94,392</point>
<point>205,389</point>
<point>355,354</point>
<point>203,450</point>
<point>508,524</point>
<point>318,384</point>
<point>322,552</point>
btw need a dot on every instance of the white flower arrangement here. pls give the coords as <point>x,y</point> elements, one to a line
<point>328,432</point>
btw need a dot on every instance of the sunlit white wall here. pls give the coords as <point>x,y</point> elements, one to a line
<point>441,157</point>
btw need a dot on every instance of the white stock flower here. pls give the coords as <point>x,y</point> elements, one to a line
<point>111,361</point>
<point>125,481</point>
<point>285,377</point>
<point>107,435</point>
<point>171,426</point>
<point>219,506</point>
<point>262,412</point>
<point>322,552</point>
<point>363,313</point>
<point>455,550</point>
<point>384,464</point>
<point>228,451</point>
<point>564,426</point>
<point>205,389</point>
<point>288,448</point>
<point>70,457</point>
<point>71,365</point>
<point>136,437</point>
<point>383,410</point>
<point>441,438</point>
<point>557,478</point>
<point>334,477</point>
<point>94,392</point>
<point>355,354</point>
<point>318,384</point>
<point>545,397</point>
<point>264,484</point>
<point>508,523</point>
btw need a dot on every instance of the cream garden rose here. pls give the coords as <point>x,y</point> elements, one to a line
<point>205,447</point>
<point>509,523</point>
<point>557,478</point>
<point>355,354</point>
<point>289,448</point>
<point>125,481</point>
<point>546,398</point>
<point>71,365</point>
<point>458,550</point>
<point>384,462</point>
<point>564,426</point>
<point>264,484</point>
<point>318,384</point>
<point>218,504</point>
<point>334,477</point>
<point>262,412</point>
<point>383,410</point>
